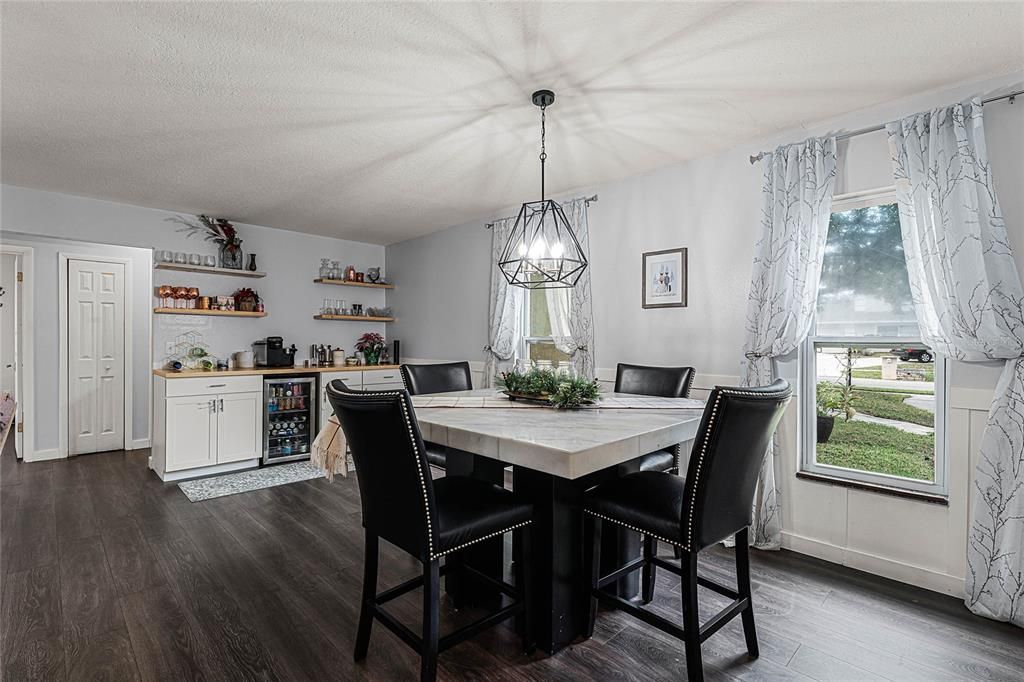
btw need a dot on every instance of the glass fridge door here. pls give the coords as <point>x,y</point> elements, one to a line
<point>289,424</point>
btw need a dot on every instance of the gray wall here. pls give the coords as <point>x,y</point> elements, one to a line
<point>290,259</point>
<point>709,205</point>
<point>442,285</point>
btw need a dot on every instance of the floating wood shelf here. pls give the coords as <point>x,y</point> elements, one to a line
<point>197,311</point>
<point>357,318</point>
<point>183,267</point>
<point>343,283</point>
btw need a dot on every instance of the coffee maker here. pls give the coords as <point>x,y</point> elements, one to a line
<point>270,352</point>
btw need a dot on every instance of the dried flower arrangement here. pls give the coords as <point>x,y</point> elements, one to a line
<point>218,231</point>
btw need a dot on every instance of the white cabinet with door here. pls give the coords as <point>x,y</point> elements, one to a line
<point>202,423</point>
<point>366,380</point>
<point>352,379</point>
<point>382,380</point>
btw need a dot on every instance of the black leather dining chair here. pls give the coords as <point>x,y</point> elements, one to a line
<point>665,382</point>
<point>712,503</point>
<point>429,519</point>
<point>437,378</point>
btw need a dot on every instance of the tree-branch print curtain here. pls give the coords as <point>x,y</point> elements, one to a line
<point>504,310</point>
<point>796,205</point>
<point>571,310</point>
<point>970,306</point>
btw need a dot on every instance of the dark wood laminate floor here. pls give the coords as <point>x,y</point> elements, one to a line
<point>109,574</point>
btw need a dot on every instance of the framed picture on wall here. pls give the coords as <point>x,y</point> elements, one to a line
<point>664,279</point>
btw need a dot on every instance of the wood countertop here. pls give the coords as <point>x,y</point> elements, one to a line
<point>260,371</point>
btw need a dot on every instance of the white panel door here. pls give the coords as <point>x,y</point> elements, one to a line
<point>8,324</point>
<point>239,427</point>
<point>191,439</point>
<point>96,337</point>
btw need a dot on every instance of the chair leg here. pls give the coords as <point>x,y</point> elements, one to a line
<point>647,579</point>
<point>743,587</point>
<point>431,618</point>
<point>676,552</point>
<point>691,619</point>
<point>370,554</point>
<point>524,582</point>
<point>592,544</point>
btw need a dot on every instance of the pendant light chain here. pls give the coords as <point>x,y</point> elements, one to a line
<point>543,148</point>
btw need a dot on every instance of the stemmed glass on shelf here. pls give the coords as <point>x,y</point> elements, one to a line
<point>166,293</point>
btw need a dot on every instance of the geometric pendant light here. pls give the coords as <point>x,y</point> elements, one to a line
<point>542,252</point>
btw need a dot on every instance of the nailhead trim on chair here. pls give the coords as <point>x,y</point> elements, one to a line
<point>638,530</point>
<point>707,437</point>
<point>412,441</point>
<point>419,470</point>
<point>700,465</point>
<point>486,537</point>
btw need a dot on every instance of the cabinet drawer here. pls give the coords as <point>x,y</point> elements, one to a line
<point>373,377</point>
<point>214,385</point>
<point>386,386</point>
<point>353,380</point>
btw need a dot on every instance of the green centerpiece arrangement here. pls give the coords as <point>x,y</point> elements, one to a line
<point>545,385</point>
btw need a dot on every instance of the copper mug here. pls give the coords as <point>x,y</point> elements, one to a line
<point>203,303</point>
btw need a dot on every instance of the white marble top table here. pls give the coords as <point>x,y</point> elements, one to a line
<point>566,443</point>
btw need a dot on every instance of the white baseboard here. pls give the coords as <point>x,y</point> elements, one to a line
<point>139,444</point>
<point>876,565</point>
<point>43,455</point>
<point>202,472</point>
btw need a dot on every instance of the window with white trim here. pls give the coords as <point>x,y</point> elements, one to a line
<point>873,398</point>
<point>538,343</point>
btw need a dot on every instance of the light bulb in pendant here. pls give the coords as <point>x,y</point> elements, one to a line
<point>537,249</point>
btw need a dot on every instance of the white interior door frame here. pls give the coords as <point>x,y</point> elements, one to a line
<point>26,413</point>
<point>62,327</point>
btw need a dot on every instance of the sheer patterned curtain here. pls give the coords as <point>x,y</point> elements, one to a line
<point>504,310</point>
<point>970,306</point>
<point>796,206</point>
<point>571,310</point>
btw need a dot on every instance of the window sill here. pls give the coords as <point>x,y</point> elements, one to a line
<point>929,498</point>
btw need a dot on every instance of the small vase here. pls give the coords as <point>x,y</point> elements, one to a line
<point>252,262</point>
<point>371,356</point>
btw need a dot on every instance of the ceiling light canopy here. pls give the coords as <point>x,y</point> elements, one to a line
<point>542,252</point>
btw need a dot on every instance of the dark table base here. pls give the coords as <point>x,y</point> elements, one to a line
<point>559,578</point>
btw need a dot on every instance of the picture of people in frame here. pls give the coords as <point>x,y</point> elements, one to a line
<point>664,279</point>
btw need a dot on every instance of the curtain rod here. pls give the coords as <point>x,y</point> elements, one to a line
<point>589,201</point>
<point>874,129</point>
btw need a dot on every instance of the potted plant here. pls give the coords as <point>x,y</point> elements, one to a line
<point>246,300</point>
<point>370,345</point>
<point>828,397</point>
<point>551,387</point>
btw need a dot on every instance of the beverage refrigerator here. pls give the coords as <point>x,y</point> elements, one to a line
<point>289,419</point>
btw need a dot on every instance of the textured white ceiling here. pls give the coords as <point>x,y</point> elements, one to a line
<point>383,121</point>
